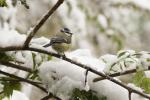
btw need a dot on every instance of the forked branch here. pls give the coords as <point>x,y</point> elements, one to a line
<point>41,22</point>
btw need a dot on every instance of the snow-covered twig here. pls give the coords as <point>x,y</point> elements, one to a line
<point>9,64</point>
<point>91,70</point>
<point>16,80</point>
<point>24,80</point>
<point>41,22</point>
<point>36,84</point>
<point>119,74</point>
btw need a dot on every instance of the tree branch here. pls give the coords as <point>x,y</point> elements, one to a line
<point>89,68</point>
<point>47,97</point>
<point>9,64</point>
<point>30,82</point>
<point>10,48</point>
<point>24,80</point>
<point>118,74</point>
<point>41,22</point>
<point>129,94</point>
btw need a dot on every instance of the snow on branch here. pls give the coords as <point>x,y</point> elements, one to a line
<point>119,74</point>
<point>89,68</point>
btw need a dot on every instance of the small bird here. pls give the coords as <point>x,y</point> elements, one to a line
<point>61,42</point>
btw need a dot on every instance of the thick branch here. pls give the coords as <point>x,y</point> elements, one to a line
<point>118,74</point>
<point>91,70</point>
<point>41,22</point>
<point>11,48</point>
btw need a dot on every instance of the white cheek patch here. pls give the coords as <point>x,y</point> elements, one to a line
<point>68,34</point>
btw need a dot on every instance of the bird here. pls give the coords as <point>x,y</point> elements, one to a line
<point>61,42</point>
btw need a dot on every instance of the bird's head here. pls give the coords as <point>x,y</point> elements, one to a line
<point>66,31</point>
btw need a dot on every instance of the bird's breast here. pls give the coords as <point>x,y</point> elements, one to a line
<point>60,47</point>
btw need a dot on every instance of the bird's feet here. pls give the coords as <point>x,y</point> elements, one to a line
<point>62,55</point>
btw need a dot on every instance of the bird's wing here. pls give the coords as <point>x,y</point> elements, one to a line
<point>56,40</point>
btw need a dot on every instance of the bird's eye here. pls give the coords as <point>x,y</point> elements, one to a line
<point>66,30</point>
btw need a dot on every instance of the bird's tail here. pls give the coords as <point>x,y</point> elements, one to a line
<point>47,45</point>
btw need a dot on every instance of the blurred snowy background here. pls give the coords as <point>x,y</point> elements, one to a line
<point>101,26</point>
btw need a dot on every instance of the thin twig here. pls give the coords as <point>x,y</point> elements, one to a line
<point>24,80</point>
<point>86,74</point>
<point>41,22</point>
<point>15,80</point>
<point>129,94</point>
<point>30,82</point>
<point>119,74</point>
<point>9,64</point>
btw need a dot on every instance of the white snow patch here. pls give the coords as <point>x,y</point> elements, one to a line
<point>103,21</point>
<point>11,38</point>
<point>17,95</point>
<point>56,72</point>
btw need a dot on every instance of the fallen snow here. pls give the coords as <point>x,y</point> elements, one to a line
<point>11,38</point>
<point>59,76</point>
